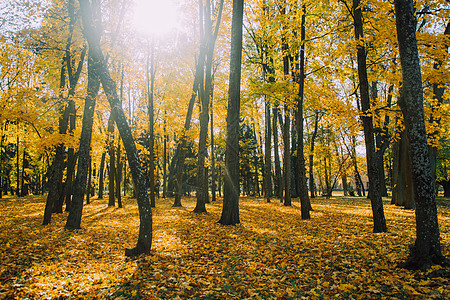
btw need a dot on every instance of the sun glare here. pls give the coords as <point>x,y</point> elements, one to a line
<point>155,17</point>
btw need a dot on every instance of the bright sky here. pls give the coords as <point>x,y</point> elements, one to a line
<point>155,17</point>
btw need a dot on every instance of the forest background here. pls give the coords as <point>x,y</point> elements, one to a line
<point>294,55</point>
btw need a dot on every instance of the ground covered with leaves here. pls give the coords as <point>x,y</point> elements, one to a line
<point>273,254</point>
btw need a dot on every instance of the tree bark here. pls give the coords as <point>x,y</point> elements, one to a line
<point>101,176</point>
<point>301,168</point>
<point>267,154</point>
<point>84,158</point>
<point>379,221</point>
<point>312,185</point>
<point>144,241</point>
<point>230,209</point>
<point>151,138</point>
<point>213,157</point>
<point>112,162</point>
<point>287,157</point>
<point>427,248</point>
<point>278,180</point>
<point>118,178</point>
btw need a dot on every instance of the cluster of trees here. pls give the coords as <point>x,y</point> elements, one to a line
<point>320,83</point>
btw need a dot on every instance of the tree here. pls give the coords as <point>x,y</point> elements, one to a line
<point>427,248</point>
<point>230,209</point>
<point>379,221</point>
<point>144,241</point>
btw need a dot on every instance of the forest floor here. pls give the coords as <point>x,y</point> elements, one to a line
<point>272,254</point>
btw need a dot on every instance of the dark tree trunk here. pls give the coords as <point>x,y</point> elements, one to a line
<point>57,166</point>
<point>88,185</point>
<point>379,221</point>
<point>112,162</point>
<point>101,177</point>
<point>381,139</point>
<point>68,186</point>
<point>427,248</point>
<point>213,157</point>
<point>151,154</point>
<point>165,159</point>
<point>278,181</point>
<point>118,179</point>
<point>287,158</point>
<point>287,124</point>
<point>304,198</point>
<point>144,241</point>
<point>55,180</point>
<point>204,96</point>
<point>268,154</point>
<point>312,185</point>
<point>403,192</point>
<point>230,210</point>
<point>84,158</point>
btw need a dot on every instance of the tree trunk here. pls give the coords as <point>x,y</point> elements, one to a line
<point>151,138</point>
<point>268,154</point>
<point>213,157</point>
<point>84,158</point>
<point>165,159</point>
<point>88,185</point>
<point>112,162</point>
<point>230,210</point>
<point>304,198</point>
<point>278,181</point>
<point>101,179</point>
<point>57,166</point>
<point>427,248</point>
<point>381,140</point>
<point>204,95</point>
<point>287,157</point>
<point>312,185</point>
<point>118,178</point>
<point>379,221</point>
<point>144,241</point>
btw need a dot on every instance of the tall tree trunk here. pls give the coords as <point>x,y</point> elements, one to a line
<point>101,176</point>
<point>304,198</point>
<point>312,185</point>
<point>286,127</point>
<point>118,179</point>
<point>84,158</point>
<point>55,180</point>
<point>88,185</point>
<point>112,162</point>
<point>195,89</point>
<point>23,190</point>
<point>165,159</point>
<point>268,154</point>
<point>204,94</point>
<point>381,137</point>
<point>213,157</point>
<point>17,168</point>
<point>287,157</point>
<point>151,138</point>
<point>427,248</point>
<point>230,209</point>
<point>379,221</point>
<point>278,177</point>
<point>57,166</point>
<point>144,241</point>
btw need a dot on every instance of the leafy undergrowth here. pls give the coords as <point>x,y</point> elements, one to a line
<point>273,254</point>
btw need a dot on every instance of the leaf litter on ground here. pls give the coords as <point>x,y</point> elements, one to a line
<point>272,254</point>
